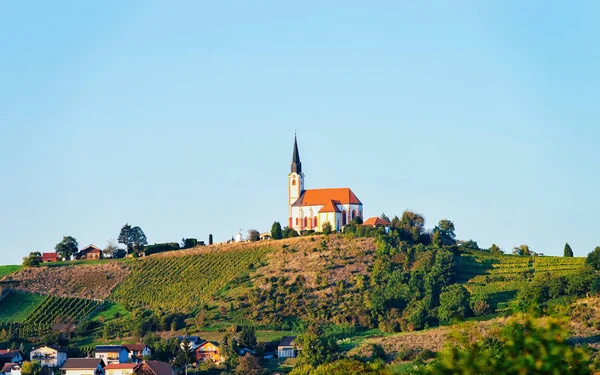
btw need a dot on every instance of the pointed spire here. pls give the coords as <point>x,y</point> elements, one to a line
<point>296,164</point>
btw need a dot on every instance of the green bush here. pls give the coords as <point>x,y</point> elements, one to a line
<point>161,247</point>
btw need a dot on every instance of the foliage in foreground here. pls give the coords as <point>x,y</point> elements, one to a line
<point>344,367</point>
<point>521,347</point>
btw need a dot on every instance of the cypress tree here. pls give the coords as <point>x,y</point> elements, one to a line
<point>568,251</point>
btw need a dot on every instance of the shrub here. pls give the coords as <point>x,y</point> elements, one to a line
<point>454,303</point>
<point>161,247</point>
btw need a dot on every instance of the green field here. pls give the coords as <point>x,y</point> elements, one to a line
<point>17,306</point>
<point>7,270</point>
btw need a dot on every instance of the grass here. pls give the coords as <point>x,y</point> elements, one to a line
<point>17,306</point>
<point>109,311</point>
<point>7,270</point>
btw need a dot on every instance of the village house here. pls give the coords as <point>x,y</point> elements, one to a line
<point>51,356</point>
<point>112,353</point>
<point>88,252</point>
<point>11,369</point>
<point>122,368</point>
<point>49,257</point>
<point>155,368</point>
<point>208,350</point>
<point>10,356</point>
<point>137,352</point>
<point>195,341</point>
<point>83,366</point>
<point>287,348</point>
<point>376,222</point>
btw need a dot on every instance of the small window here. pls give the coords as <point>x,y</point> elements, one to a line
<point>296,221</point>
<point>316,224</point>
<point>294,182</point>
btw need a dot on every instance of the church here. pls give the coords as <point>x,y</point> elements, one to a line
<point>310,209</point>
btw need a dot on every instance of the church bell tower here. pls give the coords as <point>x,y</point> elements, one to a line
<point>295,178</point>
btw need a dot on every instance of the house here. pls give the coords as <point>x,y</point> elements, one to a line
<point>51,356</point>
<point>83,366</point>
<point>310,209</point>
<point>10,356</point>
<point>376,222</point>
<point>88,252</point>
<point>208,350</point>
<point>195,341</point>
<point>264,236</point>
<point>11,369</point>
<point>137,352</point>
<point>122,368</point>
<point>112,353</point>
<point>287,347</point>
<point>155,368</point>
<point>49,257</point>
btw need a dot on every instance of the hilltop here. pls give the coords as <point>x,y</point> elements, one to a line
<point>339,280</point>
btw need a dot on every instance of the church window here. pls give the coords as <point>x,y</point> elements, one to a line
<point>316,224</point>
<point>294,182</point>
<point>290,222</point>
<point>296,221</point>
<point>343,217</point>
<point>353,214</point>
<point>305,222</point>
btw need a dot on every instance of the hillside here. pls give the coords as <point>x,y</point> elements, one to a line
<point>338,279</point>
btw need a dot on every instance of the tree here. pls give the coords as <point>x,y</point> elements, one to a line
<point>326,228</point>
<point>276,232</point>
<point>470,244</point>
<point>568,251</point>
<point>248,365</point>
<point>247,338</point>
<point>413,224</point>
<point>31,368</point>
<point>67,247</point>
<point>454,303</point>
<point>445,228</point>
<point>384,217</point>
<point>111,249</point>
<point>210,239</point>
<point>289,232</point>
<point>495,249</point>
<point>593,258</point>
<point>134,238</point>
<point>253,235</point>
<point>33,260</point>
<point>316,348</point>
<point>229,351</point>
<point>185,355</point>
<point>529,347</point>
<point>522,250</point>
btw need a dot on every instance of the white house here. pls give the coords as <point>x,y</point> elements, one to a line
<point>51,356</point>
<point>83,366</point>
<point>137,352</point>
<point>11,369</point>
<point>310,209</point>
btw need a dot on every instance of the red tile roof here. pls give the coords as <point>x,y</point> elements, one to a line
<point>374,221</point>
<point>159,368</point>
<point>315,197</point>
<point>8,367</point>
<point>329,207</point>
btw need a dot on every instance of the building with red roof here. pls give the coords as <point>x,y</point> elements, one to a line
<point>49,257</point>
<point>310,209</point>
<point>376,222</point>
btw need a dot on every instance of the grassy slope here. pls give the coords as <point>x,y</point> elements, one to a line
<point>18,305</point>
<point>7,270</point>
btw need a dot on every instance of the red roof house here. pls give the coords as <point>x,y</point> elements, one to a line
<point>376,222</point>
<point>49,257</point>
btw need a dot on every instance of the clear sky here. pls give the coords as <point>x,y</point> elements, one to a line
<point>179,117</point>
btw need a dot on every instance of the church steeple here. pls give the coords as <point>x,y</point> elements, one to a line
<point>296,164</point>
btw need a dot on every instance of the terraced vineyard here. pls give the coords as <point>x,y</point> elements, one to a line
<point>500,277</point>
<point>55,310</point>
<point>181,282</point>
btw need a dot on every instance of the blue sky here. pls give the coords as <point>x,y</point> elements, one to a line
<point>179,116</point>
